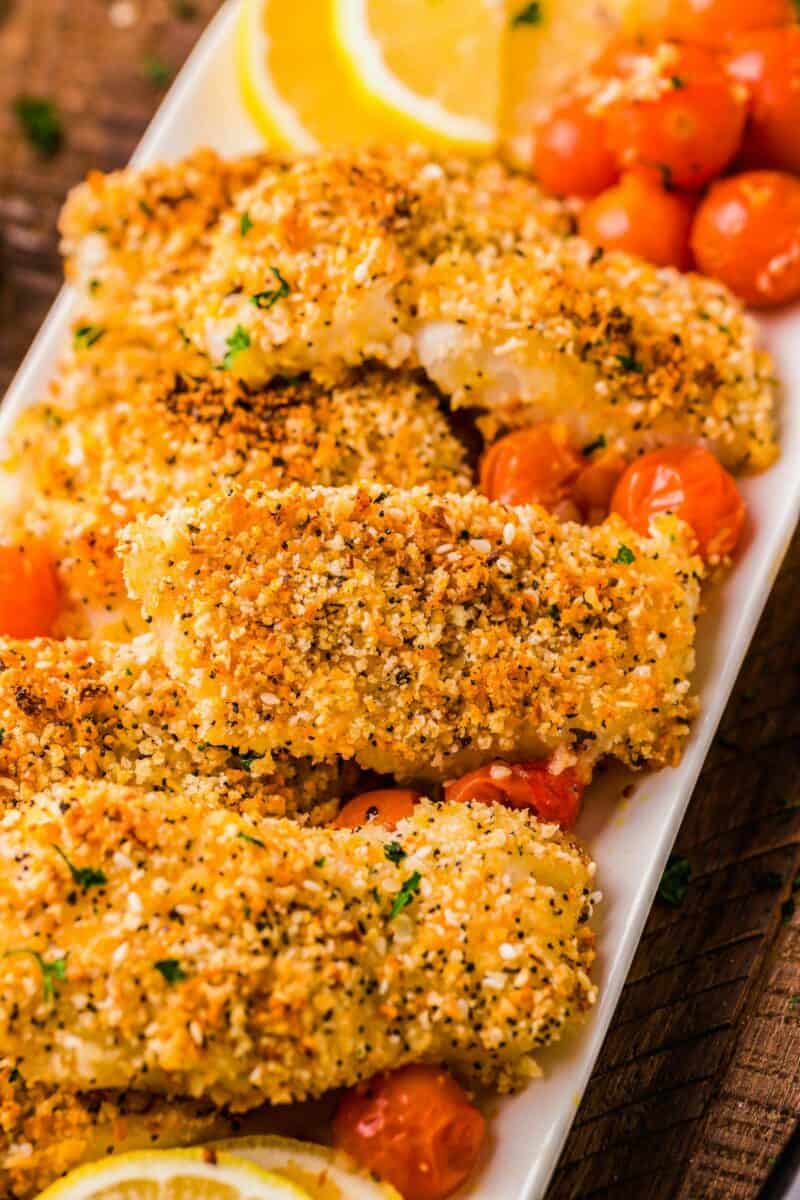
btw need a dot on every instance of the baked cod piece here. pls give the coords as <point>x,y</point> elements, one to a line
<point>246,961</point>
<point>420,634</point>
<point>45,1132</point>
<point>355,256</point>
<point>75,474</point>
<point>103,711</point>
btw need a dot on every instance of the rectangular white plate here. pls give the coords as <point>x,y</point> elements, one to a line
<point>631,840</point>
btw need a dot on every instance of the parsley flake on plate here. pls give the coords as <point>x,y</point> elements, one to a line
<point>51,971</point>
<point>406,894</point>
<point>171,969</point>
<point>41,123</point>
<point>266,299</point>
<point>85,877</point>
<point>675,882</point>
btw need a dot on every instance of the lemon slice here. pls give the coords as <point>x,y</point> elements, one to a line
<point>324,1173</point>
<point>302,79</point>
<point>173,1175</point>
<point>435,61</point>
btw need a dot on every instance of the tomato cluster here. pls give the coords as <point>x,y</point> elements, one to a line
<point>686,145</point>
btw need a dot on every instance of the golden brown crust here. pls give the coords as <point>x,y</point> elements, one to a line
<point>420,634</point>
<point>76,709</point>
<point>45,1132</point>
<point>246,961</point>
<point>76,472</point>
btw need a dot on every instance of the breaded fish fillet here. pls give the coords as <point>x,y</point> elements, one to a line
<point>74,475</point>
<point>351,257</point>
<point>211,956</point>
<point>128,237</point>
<point>45,1132</point>
<point>105,711</point>
<point>420,634</point>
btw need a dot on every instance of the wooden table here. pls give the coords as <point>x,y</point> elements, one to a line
<point>697,1090</point>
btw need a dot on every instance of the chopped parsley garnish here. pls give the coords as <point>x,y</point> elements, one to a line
<point>85,877</point>
<point>272,295</point>
<point>246,760</point>
<point>254,841</point>
<point>406,894</point>
<point>245,224</point>
<point>394,852</point>
<point>624,555</point>
<point>51,971</point>
<point>599,443</point>
<point>171,969</point>
<point>156,71</point>
<point>2,736</point>
<point>86,336</point>
<point>529,14</point>
<point>677,82</point>
<point>40,123</point>
<point>236,343</point>
<point>629,363</point>
<point>554,612</point>
<point>675,882</point>
<point>320,862</point>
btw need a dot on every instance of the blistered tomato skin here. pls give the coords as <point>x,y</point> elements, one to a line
<point>535,465</point>
<point>767,63</point>
<point>414,1128</point>
<point>689,482</point>
<point>531,785</point>
<point>30,599</point>
<point>641,217</point>
<point>711,22</point>
<point>747,234</point>
<point>384,807</point>
<point>570,156</point>
<point>689,128</point>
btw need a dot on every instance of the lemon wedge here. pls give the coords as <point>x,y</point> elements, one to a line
<point>174,1175</point>
<point>437,62</point>
<point>347,75</point>
<point>324,1173</point>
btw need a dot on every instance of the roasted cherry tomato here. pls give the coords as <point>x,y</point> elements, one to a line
<point>711,22</point>
<point>29,592</point>
<point>532,466</point>
<point>689,128</point>
<point>643,218</point>
<point>747,234</point>
<point>522,785</point>
<point>570,155</point>
<point>595,485</point>
<point>386,807</point>
<point>689,482</point>
<point>767,62</point>
<point>415,1128</point>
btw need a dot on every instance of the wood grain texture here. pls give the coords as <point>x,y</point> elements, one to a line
<point>698,1085</point>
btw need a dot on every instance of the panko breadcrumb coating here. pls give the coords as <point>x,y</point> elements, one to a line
<point>377,255</point>
<point>104,711</point>
<point>244,962</point>
<point>420,634</point>
<point>76,475</point>
<point>45,1132</point>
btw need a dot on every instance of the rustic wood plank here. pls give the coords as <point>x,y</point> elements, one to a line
<point>698,1085</point>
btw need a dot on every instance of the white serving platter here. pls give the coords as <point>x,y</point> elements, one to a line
<point>630,839</point>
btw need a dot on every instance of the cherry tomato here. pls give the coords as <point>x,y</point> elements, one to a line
<point>747,234</point>
<point>531,466</point>
<point>29,592</point>
<point>767,62</point>
<point>522,785</point>
<point>595,485</point>
<point>570,155</point>
<point>415,1128</point>
<point>689,482</point>
<point>690,128</point>
<point>386,807</point>
<point>643,218</point>
<point>711,22</point>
